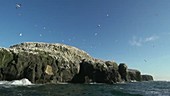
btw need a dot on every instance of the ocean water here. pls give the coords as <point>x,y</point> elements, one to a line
<point>154,88</point>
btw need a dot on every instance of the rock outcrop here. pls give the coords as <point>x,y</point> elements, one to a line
<point>123,70</point>
<point>147,78</point>
<point>134,75</point>
<point>53,63</point>
<point>97,71</point>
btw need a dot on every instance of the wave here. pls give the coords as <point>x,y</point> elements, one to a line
<point>62,83</point>
<point>22,82</point>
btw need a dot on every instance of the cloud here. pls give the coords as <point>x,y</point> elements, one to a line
<point>151,38</point>
<point>136,41</point>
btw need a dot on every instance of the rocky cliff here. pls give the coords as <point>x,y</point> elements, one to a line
<point>147,78</point>
<point>53,63</point>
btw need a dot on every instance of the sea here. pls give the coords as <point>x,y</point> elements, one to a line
<point>25,88</point>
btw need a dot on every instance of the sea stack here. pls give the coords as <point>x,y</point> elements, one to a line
<point>55,63</point>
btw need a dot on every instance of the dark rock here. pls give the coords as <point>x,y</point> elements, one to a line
<point>97,71</point>
<point>147,78</point>
<point>134,75</point>
<point>123,70</point>
<point>113,75</point>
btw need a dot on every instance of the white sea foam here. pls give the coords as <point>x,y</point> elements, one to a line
<point>62,83</point>
<point>22,82</point>
<point>93,83</point>
<point>133,81</point>
<point>3,82</point>
<point>122,82</point>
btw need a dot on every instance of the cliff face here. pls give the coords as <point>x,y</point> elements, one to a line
<point>53,63</point>
<point>134,75</point>
<point>147,78</point>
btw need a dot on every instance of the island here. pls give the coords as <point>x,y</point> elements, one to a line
<point>52,63</point>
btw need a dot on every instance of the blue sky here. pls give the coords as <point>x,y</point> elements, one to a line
<point>136,32</point>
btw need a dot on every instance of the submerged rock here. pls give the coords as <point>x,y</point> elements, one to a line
<point>55,63</point>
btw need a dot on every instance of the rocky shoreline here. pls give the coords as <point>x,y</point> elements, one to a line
<point>53,63</point>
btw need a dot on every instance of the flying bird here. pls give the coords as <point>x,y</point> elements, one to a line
<point>44,27</point>
<point>95,34</point>
<point>20,34</point>
<point>18,5</point>
<point>153,46</point>
<point>107,15</point>
<point>98,25</point>
<point>145,60</point>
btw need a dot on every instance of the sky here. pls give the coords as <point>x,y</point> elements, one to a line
<point>135,32</point>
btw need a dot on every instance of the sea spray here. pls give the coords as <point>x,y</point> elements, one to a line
<point>22,82</point>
